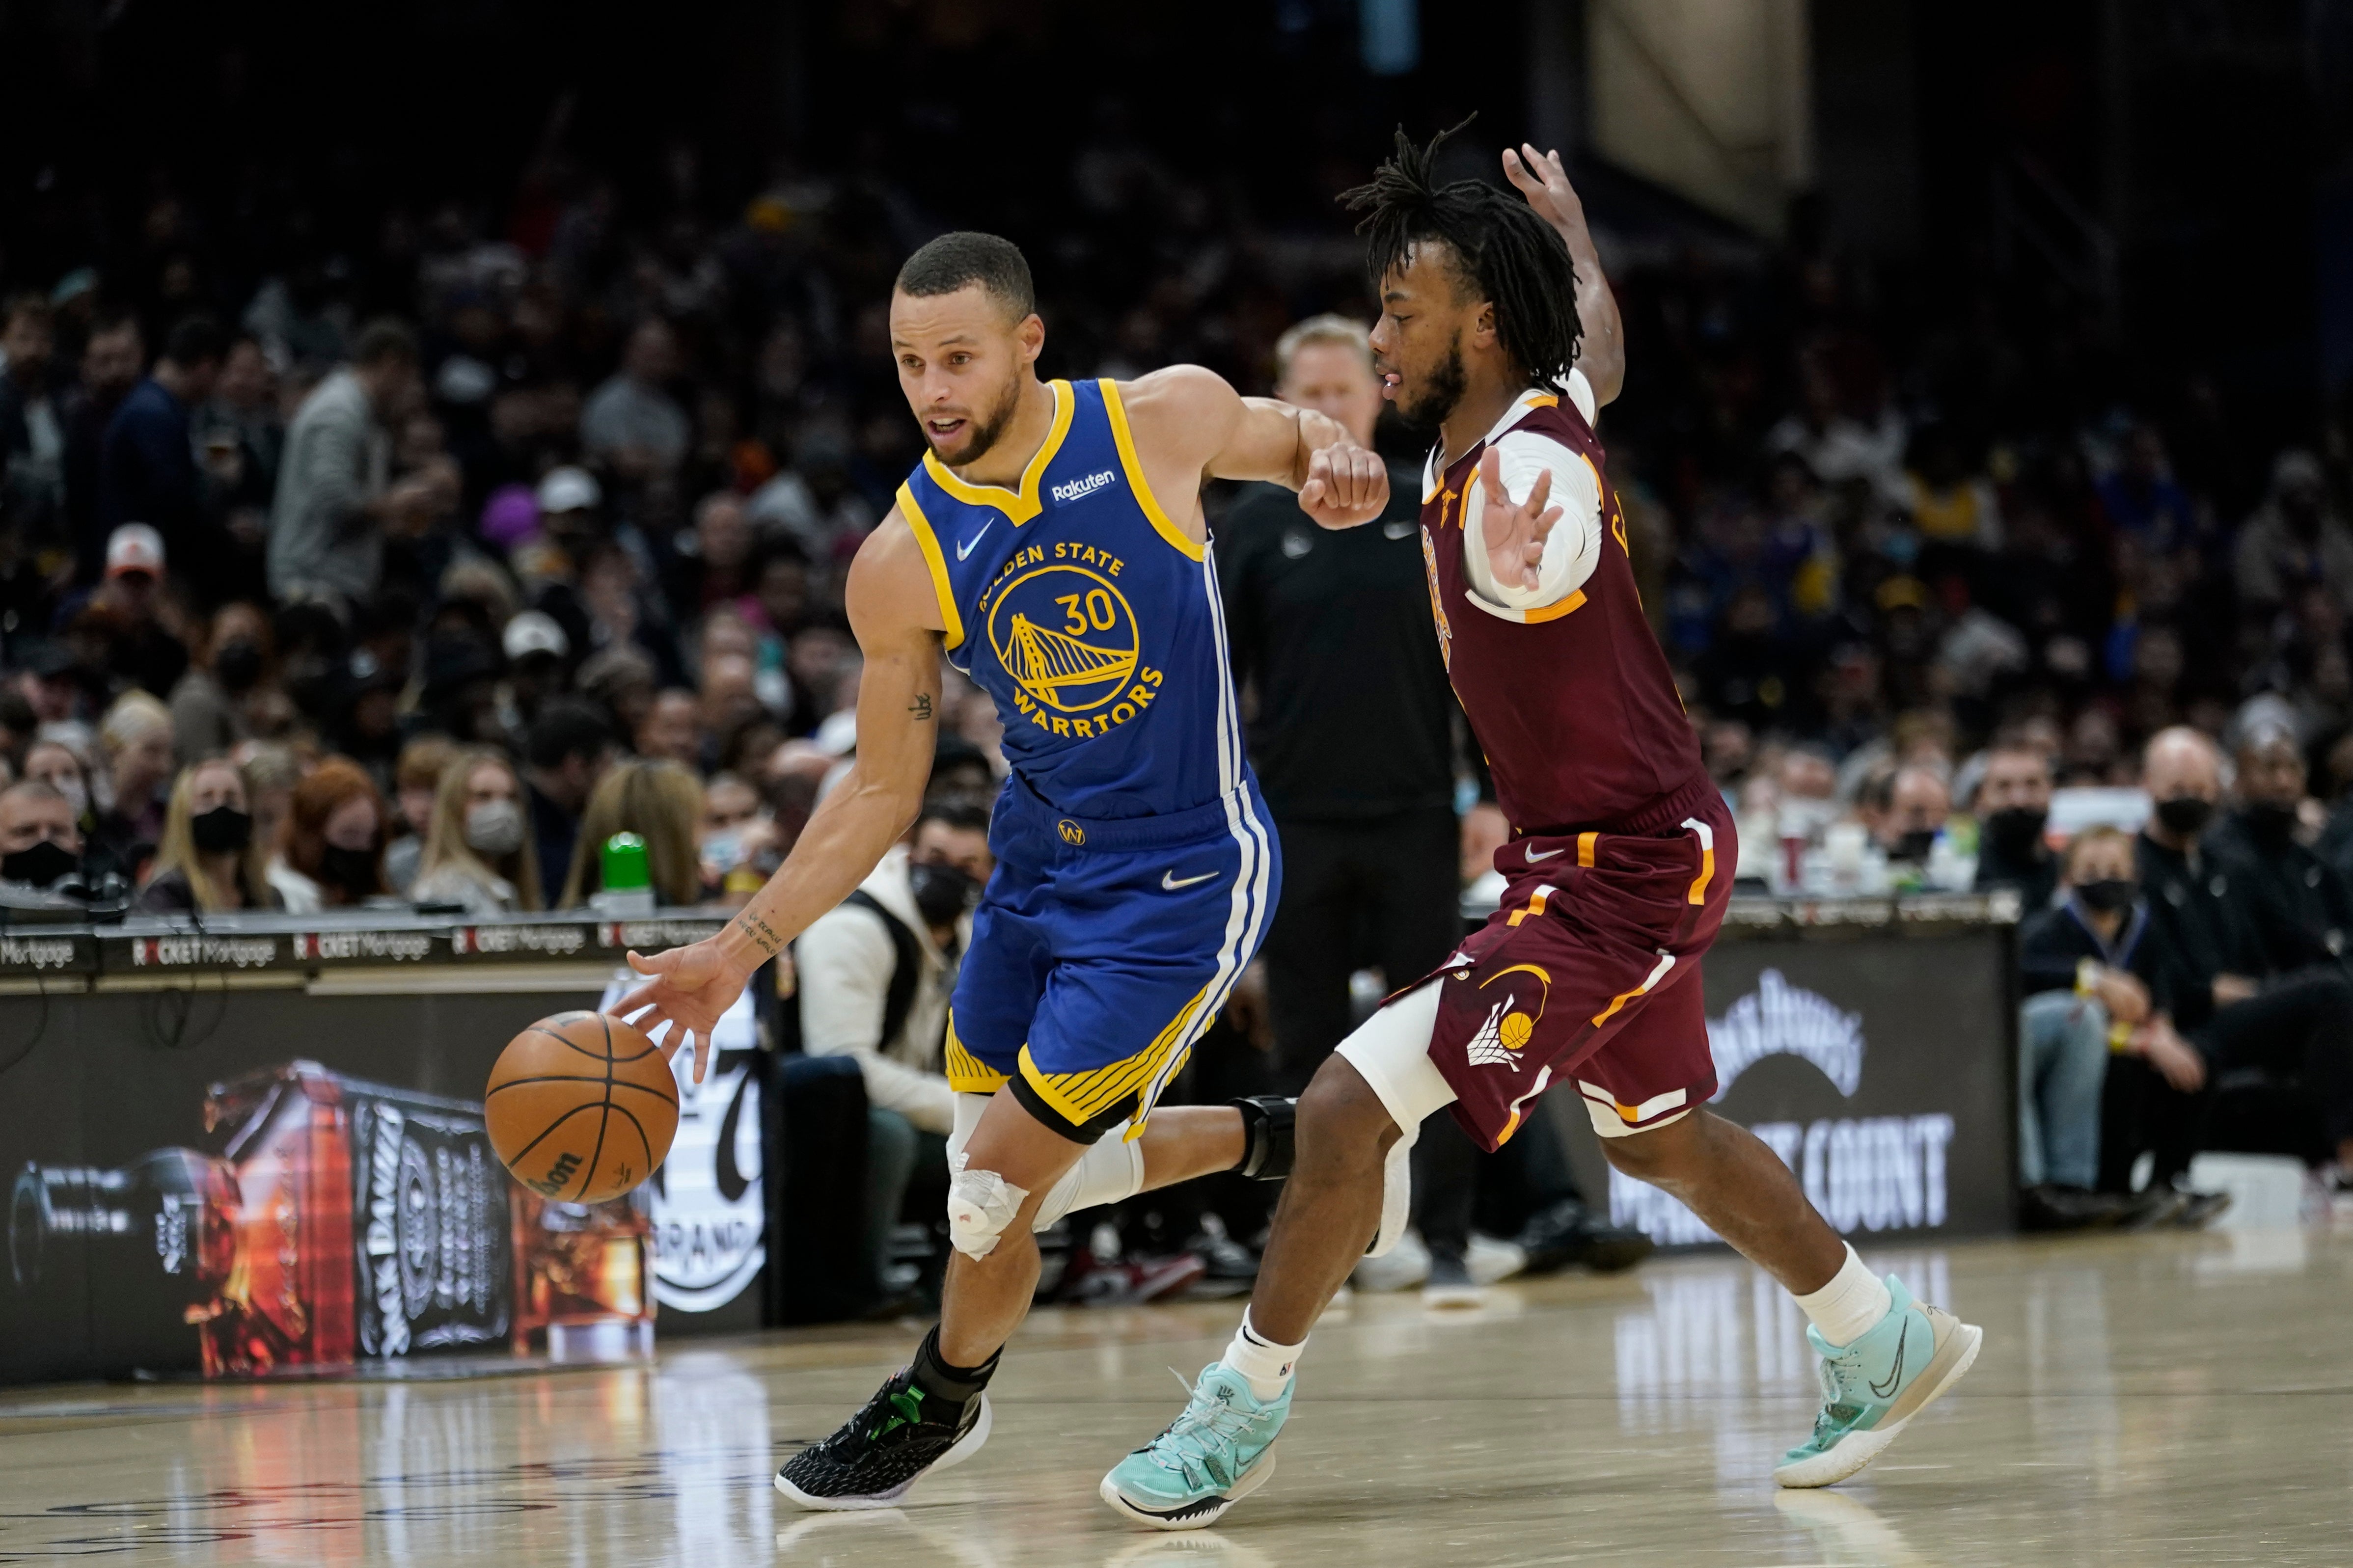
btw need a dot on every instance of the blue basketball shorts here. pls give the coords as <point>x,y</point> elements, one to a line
<point>1102,950</point>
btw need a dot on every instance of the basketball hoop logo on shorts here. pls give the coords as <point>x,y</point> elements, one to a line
<point>1507,1031</point>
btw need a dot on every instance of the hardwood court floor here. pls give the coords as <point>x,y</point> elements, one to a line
<point>2170,1399</point>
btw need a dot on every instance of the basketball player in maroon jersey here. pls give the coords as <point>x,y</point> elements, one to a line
<point>1618,869</point>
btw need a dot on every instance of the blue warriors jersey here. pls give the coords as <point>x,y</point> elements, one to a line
<point>1088,614</point>
<point>1136,868</point>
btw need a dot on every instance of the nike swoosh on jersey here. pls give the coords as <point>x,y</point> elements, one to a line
<point>1170,880</point>
<point>964,550</point>
<point>1397,529</point>
<point>1535,855</point>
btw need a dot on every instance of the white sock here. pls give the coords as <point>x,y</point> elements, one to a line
<point>1851,1305</point>
<point>1263,1363</point>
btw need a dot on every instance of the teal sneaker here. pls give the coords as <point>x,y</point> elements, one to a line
<point>1871,1387</point>
<point>1213,1455</point>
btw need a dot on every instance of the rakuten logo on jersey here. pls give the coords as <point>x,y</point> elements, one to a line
<point>1083,487</point>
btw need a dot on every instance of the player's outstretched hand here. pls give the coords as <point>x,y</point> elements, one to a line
<point>691,988</point>
<point>1345,486</point>
<point>1540,177</point>
<point>1515,534</point>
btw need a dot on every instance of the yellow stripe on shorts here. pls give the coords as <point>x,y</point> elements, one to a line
<point>1083,1095</point>
<point>967,1073</point>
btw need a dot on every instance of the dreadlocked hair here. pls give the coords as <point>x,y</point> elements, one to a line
<point>1502,246</point>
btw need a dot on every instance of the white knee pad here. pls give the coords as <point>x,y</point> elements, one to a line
<point>1111,1169</point>
<point>981,1204</point>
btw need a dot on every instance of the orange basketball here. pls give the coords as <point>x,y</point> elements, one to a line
<point>581,1107</point>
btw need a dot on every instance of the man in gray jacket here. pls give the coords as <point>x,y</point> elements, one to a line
<point>334,494</point>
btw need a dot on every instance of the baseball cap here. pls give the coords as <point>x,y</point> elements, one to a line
<point>535,631</point>
<point>134,547</point>
<point>569,489</point>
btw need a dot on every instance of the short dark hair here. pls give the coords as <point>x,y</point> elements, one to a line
<point>954,260</point>
<point>1503,249</point>
<point>196,340</point>
<point>961,813</point>
<point>385,338</point>
<point>567,727</point>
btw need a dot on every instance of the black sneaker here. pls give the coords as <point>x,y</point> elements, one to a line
<point>901,1436</point>
<point>1565,1232</point>
<point>1450,1287</point>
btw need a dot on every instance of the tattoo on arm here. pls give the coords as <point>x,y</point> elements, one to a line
<point>759,933</point>
<point>921,707</point>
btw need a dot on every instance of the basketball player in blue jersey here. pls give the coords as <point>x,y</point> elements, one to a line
<point>1051,546</point>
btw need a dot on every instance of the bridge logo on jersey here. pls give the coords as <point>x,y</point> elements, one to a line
<point>1067,636</point>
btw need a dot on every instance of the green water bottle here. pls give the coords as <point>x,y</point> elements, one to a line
<point>627,883</point>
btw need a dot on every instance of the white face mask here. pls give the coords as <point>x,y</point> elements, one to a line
<point>494,827</point>
<point>77,795</point>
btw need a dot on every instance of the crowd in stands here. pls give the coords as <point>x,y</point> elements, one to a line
<point>416,568</point>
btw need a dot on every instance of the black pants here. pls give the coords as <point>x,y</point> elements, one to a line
<point>2299,1029</point>
<point>1383,893</point>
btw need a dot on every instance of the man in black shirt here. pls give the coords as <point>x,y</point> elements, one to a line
<point>2229,997</point>
<point>2013,805</point>
<point>1352,727</point>
<point>2300,907</point>
<point>567,751</point>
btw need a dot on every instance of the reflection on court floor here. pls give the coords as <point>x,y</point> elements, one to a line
<point>2128,1409</point>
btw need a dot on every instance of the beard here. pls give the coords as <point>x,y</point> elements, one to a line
<point>1440,390</point>
<point>988,430</point>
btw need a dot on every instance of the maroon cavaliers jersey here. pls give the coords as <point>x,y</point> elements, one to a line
<point>1573,702</point>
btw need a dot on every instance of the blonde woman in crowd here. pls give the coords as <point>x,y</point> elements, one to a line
<point>136,738</point>
<point>210,860</point>
<point>272,770</point>
<point>478,846</point>
<point>661,802</point>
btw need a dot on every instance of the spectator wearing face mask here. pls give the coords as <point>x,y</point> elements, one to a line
<point>738,840</point>
<point>331,845</point>
<point>2013,808</point>
<point>2095,983</point>
<point>2228,1000</point>
<point>478,850</point>
<point>876,973</point>
<point>39,844</point>
<point>210,705</point>
<point>1904,811</point>
<point>2300,906</point>
<point>209,860</point>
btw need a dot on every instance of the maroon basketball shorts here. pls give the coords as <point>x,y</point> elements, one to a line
<point>1586,973</point>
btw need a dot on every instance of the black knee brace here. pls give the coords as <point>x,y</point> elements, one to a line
<point>1268,1124</point>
